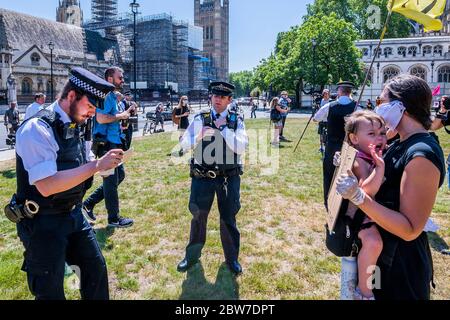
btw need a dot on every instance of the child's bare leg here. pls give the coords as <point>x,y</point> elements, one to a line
<point>276,135</point>
<point>372,244</point>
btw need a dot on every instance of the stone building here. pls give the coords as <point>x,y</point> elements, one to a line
<point>25,53</point>
<point>69,11</point>
<point>213,17</point>
<point>426,57</point>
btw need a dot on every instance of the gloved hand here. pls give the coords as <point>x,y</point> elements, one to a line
<point>337,159</point>
<point>348,188</point>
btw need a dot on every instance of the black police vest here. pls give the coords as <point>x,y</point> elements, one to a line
<point>336,121</point>
<point>71,154</point>
<point>214,153</point>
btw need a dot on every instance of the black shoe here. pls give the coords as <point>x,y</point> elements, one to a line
<point>235,267</point>
<point>284,139</point>
<point>88,213</point>
<point>184,265</point>
<point>121,223</point>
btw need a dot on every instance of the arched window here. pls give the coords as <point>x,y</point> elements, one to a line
<point>419,71</point>
<point>389,73</point>
<point>401,51</point>
<point>27,86</point>
<point>412,51</point>
<point>370,79</point>
<point>427,50</point>
<point>444,74</point>
<point>35,58</point>
<point>387,51</point>
<point>437,50</point>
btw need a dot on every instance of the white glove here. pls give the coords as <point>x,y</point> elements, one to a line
<point>337,159</point>
<point>348,187</point>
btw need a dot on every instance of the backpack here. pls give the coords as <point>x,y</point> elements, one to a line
<point>275,115</point>
<point>344,241</point>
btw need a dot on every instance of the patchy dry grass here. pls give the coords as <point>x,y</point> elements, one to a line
<point>281,223</point>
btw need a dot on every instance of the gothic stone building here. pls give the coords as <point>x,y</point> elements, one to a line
<point>213,17</point>
<point>25,52</point>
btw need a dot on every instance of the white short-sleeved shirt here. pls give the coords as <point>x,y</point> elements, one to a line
<point>237,140</point>
<point>37,147</point>
<point>32,109</point>
<point>322,113</point>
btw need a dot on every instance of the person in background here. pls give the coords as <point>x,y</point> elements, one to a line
<point>36,106</point>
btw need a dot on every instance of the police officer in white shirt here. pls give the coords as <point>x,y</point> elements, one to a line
<point>334,114</point>
<point>36,106</point>
<point>53,174</point>
<point>219,139</point>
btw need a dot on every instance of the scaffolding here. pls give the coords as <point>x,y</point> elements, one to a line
<point>104,10</point>
<point>164,59</point>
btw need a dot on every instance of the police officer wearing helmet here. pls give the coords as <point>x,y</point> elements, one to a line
<point>334,114</point>
<point>53,174</point>
<point>218,139</point>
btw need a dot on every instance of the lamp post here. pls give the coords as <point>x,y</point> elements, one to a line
<point>51,46</point>
<point>314,45</point>
<point>134,9</point>
<point>432,71</point>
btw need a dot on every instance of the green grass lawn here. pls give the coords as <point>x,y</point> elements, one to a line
<point>281,222</point>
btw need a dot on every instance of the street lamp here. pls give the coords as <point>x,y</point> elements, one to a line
<point>134,9</point>
<point>51,46</point>
<point>432,71</point>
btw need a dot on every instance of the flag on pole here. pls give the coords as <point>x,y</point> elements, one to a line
<point>425,12</point>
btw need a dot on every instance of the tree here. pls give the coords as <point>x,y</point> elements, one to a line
<point>297,64</point>
<point>358,13</point>
<point>243,81</point>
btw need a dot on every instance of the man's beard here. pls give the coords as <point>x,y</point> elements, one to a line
<point>73,113</point>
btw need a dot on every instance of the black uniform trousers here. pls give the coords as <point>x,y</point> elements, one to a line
<point>328,167</point>
<point>200,202</point>
<point>52,240</point>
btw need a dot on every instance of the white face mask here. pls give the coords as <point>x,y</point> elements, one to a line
<point>392,113</point>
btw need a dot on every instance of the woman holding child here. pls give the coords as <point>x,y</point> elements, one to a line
<point>414,170</point>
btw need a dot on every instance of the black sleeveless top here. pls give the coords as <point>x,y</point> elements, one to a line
<point>406,266</point>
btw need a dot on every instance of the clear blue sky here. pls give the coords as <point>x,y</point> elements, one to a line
<point>254,24</point>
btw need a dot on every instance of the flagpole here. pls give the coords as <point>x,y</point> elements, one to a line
<point>383,33</point>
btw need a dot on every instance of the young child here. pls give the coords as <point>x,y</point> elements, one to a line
<point>366,132</point>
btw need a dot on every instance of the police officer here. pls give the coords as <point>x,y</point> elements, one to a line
<point>53,174</point>
<point>334,114</point>
<point>219,139</point>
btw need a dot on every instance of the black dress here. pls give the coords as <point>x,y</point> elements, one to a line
<point>406,266</point>
<point>184,121</point>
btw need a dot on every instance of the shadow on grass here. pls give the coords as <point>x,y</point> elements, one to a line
<point>9,174</point>
<point>196,287</point>
<point>102,235</point>
<point>436,242</point>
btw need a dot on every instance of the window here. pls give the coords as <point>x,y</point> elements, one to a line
<point>438,50</point>
<point>370,74</point>
<point>444,74</point>
<point>420,72</point>
<point>401,51</point>
<point>412,51</point>
<point>390,73</point>
<point>427,50</point>
<point>27,85</point>
<point>365,52</point>
<point>35,58</point>
<point>387,51</point>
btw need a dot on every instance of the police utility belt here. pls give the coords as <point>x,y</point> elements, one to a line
<point>198,171</point>
<point>15,211</point>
